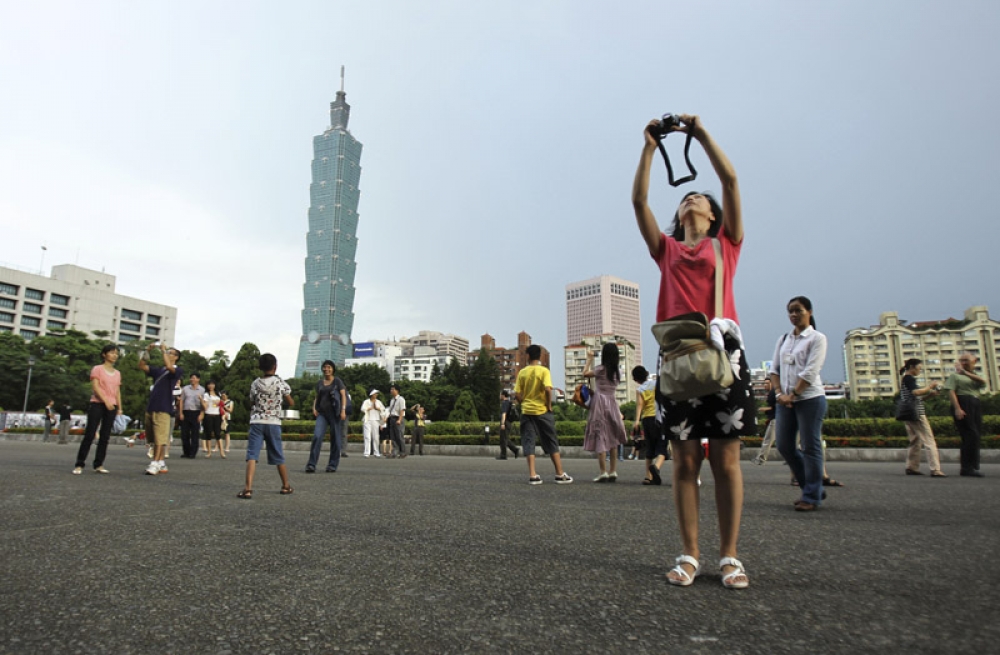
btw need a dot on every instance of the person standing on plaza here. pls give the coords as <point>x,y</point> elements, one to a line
<point>329,409</point>
<point>348,410</point>
<point>418,430</point>
<point>105,405</point>
<point>50,419</point>
<point>963,387</point>
<point>919,430</point>
<point>655,443</point>
<point>605,430</point>
<point>801,401</point>
<point>371,413</point>
<point>266,394</point>
<point>191,416</point>
<point>769,408</point>
<point>65,418</point>
<point>686,258</point>
<point>505,442</point>
<point>161,405</point>
<point>397,421</point>
<point>533,389</point>
<point>211,403</point>
<point>226,411</point>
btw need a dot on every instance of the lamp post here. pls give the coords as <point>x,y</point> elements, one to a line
<point>27,388</point>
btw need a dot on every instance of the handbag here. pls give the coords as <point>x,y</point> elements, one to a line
<point>906,406</point>
<point>690,365</point>
<point>581,396</point>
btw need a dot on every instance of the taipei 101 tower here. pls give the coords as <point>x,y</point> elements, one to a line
<point>331,243</point>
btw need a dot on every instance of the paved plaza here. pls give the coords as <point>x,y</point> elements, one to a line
<point>443,554</point>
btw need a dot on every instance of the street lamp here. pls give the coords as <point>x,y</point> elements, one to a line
<point>27,388</point>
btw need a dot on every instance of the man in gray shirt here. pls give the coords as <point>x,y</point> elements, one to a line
<point>191,412</point>
<point>397,410</point>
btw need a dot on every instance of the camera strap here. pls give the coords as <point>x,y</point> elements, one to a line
<point>687,159</point>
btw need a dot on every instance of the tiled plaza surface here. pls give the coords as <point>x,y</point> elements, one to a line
<point>459,554</point>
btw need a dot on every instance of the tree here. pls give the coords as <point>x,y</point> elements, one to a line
<point>304,392</point>
<point>193,362</point>
<point>484,381</point>
<point>370,376</point>
<point>465,408</point>
<point>218,368</point>
<point>241,375</point>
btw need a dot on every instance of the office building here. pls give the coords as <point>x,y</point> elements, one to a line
<point>509,360</point>
<point>331,243</point>
<point>874,355</point>
<point>604,305</point>
<point>575,360</point>
<point>81,299</point>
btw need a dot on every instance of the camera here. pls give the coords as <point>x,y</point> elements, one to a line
<point>665,126</point>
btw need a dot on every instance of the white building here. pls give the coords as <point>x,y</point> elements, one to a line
<point>78,298</point>
<point>419,365</point>
<point>604,305</point>
<point>382,354</point>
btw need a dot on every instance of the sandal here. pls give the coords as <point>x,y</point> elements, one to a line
<point>938,474</point>
<point>647,481</point>
<point>286,490</point>
<point>830,482</point>
<point>679,570</point>
<point>655,475</point>
<point>246,494</point>
<point>729,579</point>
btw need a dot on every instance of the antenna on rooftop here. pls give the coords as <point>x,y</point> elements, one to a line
<point>341,79</point>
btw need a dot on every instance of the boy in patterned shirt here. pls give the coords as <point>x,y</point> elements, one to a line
<point>266,394</point>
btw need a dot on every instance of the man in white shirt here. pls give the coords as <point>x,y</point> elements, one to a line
<point>397,409</point>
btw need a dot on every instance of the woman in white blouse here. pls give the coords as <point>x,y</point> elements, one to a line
<point>801,401</point>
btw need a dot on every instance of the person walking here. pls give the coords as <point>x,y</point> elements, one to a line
<point>654,449</point>
<point>605,430</point>
<point>687,263</point>
<point>963,387</point>
<point>211,403</point>
<point>505,442</point>
<point>105,405</point>
<point>329,408</point>
<point>50,419</point>
<point>191,415</point>
<point>371,413</point>
<point>919,430</point>
<point>801,401</point>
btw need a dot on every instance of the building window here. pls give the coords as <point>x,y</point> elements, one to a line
<point>153,331</point>
<point>131,315</point>
<point>56,299</point>
<point>6,317</point>
<point>4,328</point>
<point>32,308</point>
<point>8,303</point>
<point>28,335</point>
<point>55,325</point>
<point>57,313</point>
<point>31,321</point>
<point>9,289</point>
<point>34,294</point>
<point>128,337</point>
<point>131,327</point>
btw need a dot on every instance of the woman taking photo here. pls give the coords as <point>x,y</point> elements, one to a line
<point>920,430</point>
<point>686,259</point>
<point>605,428</point>
<point>801,399</point>
<point>105,405</point>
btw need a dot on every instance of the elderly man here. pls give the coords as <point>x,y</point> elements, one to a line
<point>963,387</point>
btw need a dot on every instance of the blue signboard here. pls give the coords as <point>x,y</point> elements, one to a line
<point>364,349</point>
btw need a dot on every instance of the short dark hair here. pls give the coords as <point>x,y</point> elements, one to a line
<point>640,374</point>
<point>910,363</point>
<point>330,362</point>
<point>394,386</point>
<point>196,375</point>
<point>677,230</point>
<point>534,351</point>
<point>267,362</point>
<point>106,349</point>
<point>505,393</point>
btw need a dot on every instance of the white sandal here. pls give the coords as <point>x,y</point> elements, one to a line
<point>687,578</point>
<point>728,579</point>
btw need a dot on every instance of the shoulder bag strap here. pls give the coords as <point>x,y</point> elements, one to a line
<point>719,277</point>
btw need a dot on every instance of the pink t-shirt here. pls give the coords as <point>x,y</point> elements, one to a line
<point>687,277</point>
<point>109,382</point>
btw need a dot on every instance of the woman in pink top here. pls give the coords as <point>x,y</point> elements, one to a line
<point>105,405</point>
<point>686,259</point>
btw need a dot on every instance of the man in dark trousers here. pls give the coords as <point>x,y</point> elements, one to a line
<point>505,406</point>
<point>193,413</point>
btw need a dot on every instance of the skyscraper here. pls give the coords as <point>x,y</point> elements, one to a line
<point>604,305</point>
<point>331,243</point>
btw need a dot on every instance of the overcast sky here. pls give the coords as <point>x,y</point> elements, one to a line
<point>169,144</point>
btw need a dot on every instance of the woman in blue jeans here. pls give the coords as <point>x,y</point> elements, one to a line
<point>801,401</point>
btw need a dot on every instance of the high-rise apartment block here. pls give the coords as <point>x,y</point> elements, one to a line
<point>604,305</point>
<point>412,358</point>
<point>81,299</point>
<point>331,243</point>
<point>575,359</point>
<point>874,355</point>
<point>509,360</point>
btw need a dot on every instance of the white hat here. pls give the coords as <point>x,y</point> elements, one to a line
<point>373,392</point>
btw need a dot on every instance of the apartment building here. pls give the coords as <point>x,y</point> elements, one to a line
<point>575,358</point>
<point>874,355</point>
<point>509,360</point>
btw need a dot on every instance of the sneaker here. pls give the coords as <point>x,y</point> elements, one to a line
<point>153,469</point>
<point>149,452</point>
<point>758,460</point>
<point>102,470</point>
<point>367,456</point>
<point>564,479</point>
<point>603,477</point>
<point>535,480</point>
<point>163,468</point>
<point>613,477</point>
<point>78,470</point>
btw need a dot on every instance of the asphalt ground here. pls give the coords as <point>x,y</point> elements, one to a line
<point>453,554</point>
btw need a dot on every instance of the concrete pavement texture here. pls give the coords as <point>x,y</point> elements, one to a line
<point>452,554</point>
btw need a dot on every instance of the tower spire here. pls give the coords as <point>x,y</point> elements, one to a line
<point>340,111</point>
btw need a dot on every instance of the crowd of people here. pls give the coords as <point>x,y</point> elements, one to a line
<point>697,258</point>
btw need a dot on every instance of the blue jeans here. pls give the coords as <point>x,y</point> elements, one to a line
<point>322,423</point>
<point>805,418</point>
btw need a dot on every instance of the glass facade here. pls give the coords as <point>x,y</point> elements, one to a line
<point>331,243</point>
